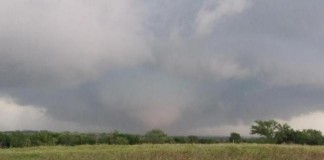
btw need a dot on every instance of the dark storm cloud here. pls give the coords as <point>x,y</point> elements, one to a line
<point>177,65</point>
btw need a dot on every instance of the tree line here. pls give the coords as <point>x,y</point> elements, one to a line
<point>47,138</point>
<point>274,132</point>
<point>269,131</point>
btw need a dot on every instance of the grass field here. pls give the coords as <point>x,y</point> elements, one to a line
<point>166,152</point>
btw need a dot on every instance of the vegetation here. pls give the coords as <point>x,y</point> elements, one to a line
<point>166,152</point>
<point>156,145</point>
<point>46,138</point>
<point>275,132</point>
<point>265,128</point>
<point>235,137</point>
<point>270,131</point>
<point>156,136</point>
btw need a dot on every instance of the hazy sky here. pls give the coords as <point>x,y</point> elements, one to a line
<point>185,66</point>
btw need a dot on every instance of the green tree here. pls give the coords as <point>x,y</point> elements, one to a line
<point>4,140</point>
<point>192,139</point>
<point>235,137</point>
<point>116,138</point>
<point>155,136</point>
<point>19,139</point>
<point>132,139</point>
<point>309,136</point>
<point>120,140</point>
<point>265,128</point>
<point>284,134</point>
<point>65,138</point>
<point>180,139</point>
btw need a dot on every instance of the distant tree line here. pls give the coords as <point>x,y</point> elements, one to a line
<point>270,132</point>
<point>47,138</point>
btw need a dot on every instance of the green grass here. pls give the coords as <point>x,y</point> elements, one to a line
<point>166,152</point>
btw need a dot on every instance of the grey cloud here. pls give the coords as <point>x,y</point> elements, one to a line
<point>145,64</point>
<point>68,42</point>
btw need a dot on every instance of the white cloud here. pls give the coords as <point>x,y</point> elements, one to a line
<point>313,120</point>
<point>13,116</point>
<point>207,17</point>
<point>25,117</point>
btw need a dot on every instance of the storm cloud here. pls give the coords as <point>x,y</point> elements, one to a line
<point>179,65</point>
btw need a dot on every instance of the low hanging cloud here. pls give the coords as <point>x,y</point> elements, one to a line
<point>182,66</point>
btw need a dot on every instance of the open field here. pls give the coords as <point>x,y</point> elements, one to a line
<point>166,152</point>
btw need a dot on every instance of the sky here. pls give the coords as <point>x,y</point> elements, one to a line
<point>206,67</point>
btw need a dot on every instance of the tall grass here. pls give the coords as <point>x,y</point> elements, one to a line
<point>166,152</point>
